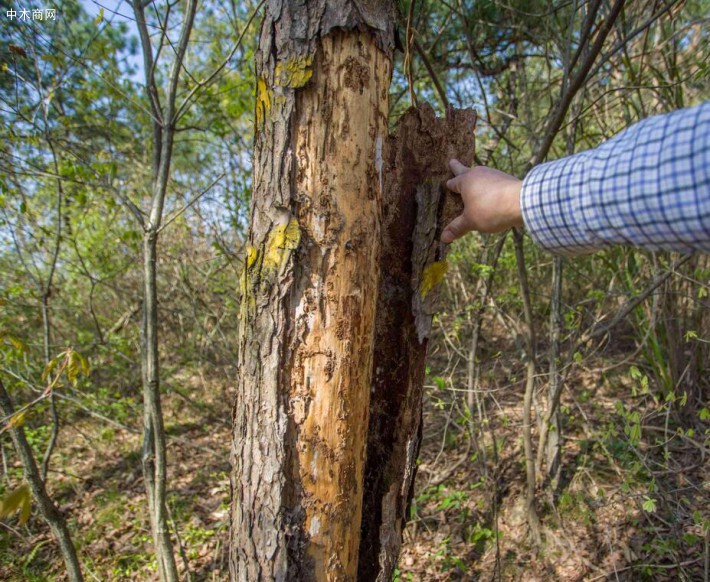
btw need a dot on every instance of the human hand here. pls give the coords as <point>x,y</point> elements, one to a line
<point>491,201</point>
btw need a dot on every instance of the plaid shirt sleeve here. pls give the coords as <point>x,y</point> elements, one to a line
<point>649,186</point>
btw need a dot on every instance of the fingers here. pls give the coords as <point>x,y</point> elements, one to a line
<point>458,227</point>
<point>457,167</point>
<point>454,184</point>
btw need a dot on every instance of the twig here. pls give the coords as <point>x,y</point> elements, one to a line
<point>190,203</point>
<point>533,519</point>
<point>225,62</point>
<point>432,73</point>
<point>47,508</point>
<point>408,53</point>
<point>575,84</point>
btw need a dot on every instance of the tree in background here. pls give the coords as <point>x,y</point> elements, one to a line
<point>74,171</point>
<point>52,131</point>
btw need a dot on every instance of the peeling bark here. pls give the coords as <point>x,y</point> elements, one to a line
<point>416,208</point>
<point>340,213</point>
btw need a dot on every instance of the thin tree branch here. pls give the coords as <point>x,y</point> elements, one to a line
<point>576,83</point>
<point>202,84</point>
<point>48,509</point>
<point>189,204</point>
<point>432,73</point>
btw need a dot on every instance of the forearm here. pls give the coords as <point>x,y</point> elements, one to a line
<point>649,186</point>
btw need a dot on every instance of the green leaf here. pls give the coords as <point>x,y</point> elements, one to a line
<point>649,504</point>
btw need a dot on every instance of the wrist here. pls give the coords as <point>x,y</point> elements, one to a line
<point>514,213</point>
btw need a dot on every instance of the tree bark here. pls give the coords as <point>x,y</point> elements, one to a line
<point>416,208</point>
<point>310,289</point>
<point>341,214</point>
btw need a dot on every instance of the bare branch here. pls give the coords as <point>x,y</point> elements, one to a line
<point>208,81</point>
<point>190,203</point>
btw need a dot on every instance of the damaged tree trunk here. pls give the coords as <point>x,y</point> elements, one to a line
<point>310,289</point>
<point>339,211</point>
<point>416,208</point>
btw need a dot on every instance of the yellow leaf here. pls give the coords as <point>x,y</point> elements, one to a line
<point>74,366</point>
<point>49,367</point>
<point>84,363</point>
<point>17,419</point>
<point>432,276</point>
<point>17,499</point>
<point>282,237</point>
<point>25,508</point>
<point>18,343</point>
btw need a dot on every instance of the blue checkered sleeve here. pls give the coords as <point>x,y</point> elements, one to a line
<point>649,186</point>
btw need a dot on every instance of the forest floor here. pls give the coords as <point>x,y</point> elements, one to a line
<point>468,516</point>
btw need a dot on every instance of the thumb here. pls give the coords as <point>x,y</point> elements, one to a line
<point>458,227</point>
<point>457,167</point>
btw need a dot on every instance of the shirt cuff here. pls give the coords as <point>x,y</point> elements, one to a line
<point>555,210</point>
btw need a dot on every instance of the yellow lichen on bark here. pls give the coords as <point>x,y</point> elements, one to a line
<point>294,72</point>
<point>340,129</point>
<point>282,237</point>
<point>263,101</point>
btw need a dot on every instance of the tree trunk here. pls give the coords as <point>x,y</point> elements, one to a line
<point>310,290</point>
<point>154,457</point>
<point>339,212</point>
<point>553,450</point>
<point>416,207</point>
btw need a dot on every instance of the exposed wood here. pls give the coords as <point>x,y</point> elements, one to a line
<point>309,291</point>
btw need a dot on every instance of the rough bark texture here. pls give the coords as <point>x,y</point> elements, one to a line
<point>310,290</point>
<point>335,200</point>
<point>416,207</point>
